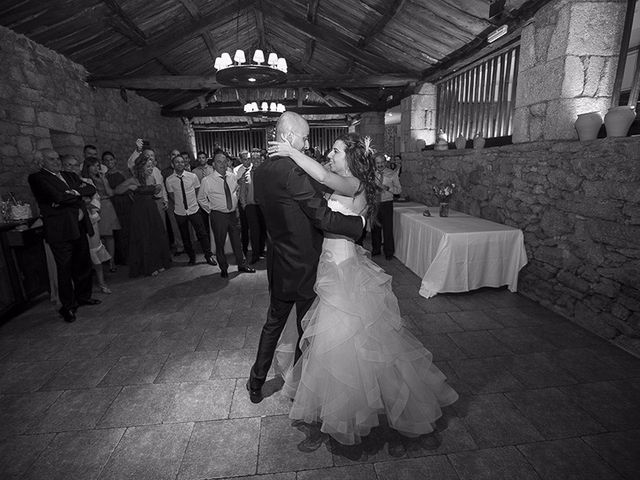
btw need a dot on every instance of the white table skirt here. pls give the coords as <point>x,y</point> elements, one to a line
<point>457,253</point>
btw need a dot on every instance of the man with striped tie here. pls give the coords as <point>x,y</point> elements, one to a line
<point>183,187</point>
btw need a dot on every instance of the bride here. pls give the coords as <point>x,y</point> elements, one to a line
<point>358,360</point>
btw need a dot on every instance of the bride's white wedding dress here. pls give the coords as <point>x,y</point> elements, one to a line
<point>358,360</point>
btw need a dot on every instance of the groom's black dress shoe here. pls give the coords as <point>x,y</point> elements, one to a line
<point>246,269</point>
<point>67,314</point>
<point>254,395</point>
<point>89,301</point>
<point>224,273</point>
<point>210,260</point>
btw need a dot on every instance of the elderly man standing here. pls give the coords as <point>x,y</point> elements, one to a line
<point>66,226</point>
<point>182,187</point>
<point>218,196</point>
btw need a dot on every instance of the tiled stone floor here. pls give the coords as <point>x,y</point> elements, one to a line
<point>150,385</point>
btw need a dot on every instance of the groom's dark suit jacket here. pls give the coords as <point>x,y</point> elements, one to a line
<point>59,210</point>
<point>296,214</point>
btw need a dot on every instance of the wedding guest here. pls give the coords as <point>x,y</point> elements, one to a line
<point>382,230</point>
<point>122,206</point>
<point>149,252</point>
<point>66,225</point>
<point>203,169</point>
<point>255,219</point>
<point>97,251</point>
<point>108,219</point>
<point>175,239</point>
<point>240,171</point>
<point>182,187</point>
<point>218,195</point>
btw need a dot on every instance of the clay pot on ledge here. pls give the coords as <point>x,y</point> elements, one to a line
<point>618,120</point>
<point>461,142</point>
<point>478,141</point>
<point>588,125</point>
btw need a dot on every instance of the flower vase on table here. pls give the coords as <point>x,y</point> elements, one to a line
<point>443,192</point>
<point>444,209</point>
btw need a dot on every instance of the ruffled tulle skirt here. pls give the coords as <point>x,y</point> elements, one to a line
<point>358,360</point>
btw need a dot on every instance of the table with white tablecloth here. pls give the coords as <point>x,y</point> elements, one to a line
<point>457,253</point>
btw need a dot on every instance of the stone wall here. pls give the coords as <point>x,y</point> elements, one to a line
<point>578,204</point>
<point>568,57</point>
<point>46,103</point>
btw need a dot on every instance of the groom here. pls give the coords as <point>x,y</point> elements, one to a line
<point>296,214</point>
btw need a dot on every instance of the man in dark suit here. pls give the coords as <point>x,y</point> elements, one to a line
<point>296,214</point>
<point>66,225</point>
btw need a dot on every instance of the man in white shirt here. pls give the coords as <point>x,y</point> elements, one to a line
<point>382,234</point>
<point>218,196</point>
<point>182,187</point>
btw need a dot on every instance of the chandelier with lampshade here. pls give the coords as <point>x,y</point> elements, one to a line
<point>265,107</point>
<point>239,73</point>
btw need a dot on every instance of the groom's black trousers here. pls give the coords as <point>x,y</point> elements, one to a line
<point>276,319</point>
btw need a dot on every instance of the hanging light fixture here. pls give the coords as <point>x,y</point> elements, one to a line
<point>239,73</point>
<point>264,107</point>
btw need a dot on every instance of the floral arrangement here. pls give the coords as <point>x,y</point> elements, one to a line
<point>443,191</point>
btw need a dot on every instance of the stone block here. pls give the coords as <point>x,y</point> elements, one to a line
<point>560,35</point>
<point>596,28</point>
<point>44,143</point>
<point>56,121</point>
<point>573,282</point>
<point>527,48</point>
<point>426,89</point>
<point>554,223</point>
<point>8,128</point>
<point>24,144</point>
<point>8,150</point>
<point>23,114</point>
<point>540,83</point>
<point>573,83</point>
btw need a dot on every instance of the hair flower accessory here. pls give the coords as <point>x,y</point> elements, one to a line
<point>367,146</point>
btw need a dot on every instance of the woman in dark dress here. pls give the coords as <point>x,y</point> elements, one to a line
<point>149,252</point>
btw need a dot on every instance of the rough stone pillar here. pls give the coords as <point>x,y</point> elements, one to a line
<point>418,124</point>
<point>372,125</point>
<point>568,58</point>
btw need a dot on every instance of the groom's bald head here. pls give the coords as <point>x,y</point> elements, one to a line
<point>293,128</point>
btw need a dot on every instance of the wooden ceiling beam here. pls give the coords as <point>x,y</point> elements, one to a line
<point>312,17</point>
<point>333,39</point>
<point>380,25</point>
<point>260,24</point>
<point>232,111</point>
<point>196,15</point>
<point>176,36</point>
<point>116,9</point>
<point>123,29</point>
<point>353,96</point>
<point>204,82</point>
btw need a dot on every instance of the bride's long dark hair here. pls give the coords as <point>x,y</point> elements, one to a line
<point>359,156</point>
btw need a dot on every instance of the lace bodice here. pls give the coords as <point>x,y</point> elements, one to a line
<point>336,248</point>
